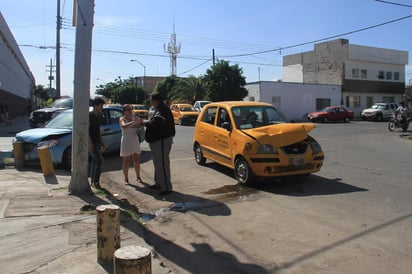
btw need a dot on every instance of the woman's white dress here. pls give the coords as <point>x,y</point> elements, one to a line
<point>130,142</point>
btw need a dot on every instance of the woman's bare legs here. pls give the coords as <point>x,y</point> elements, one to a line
<point>136,163</point>
<point>125,167</point>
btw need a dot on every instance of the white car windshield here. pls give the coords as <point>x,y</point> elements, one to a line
<point>247,117</point>
<point>63,120</point>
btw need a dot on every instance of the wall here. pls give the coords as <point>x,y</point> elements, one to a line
<point>16,79</point>
<point>296,99</point>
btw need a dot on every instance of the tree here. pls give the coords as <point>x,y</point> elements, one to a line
<point>189,89</point>
<point>225,82</point>
<point>41,93</point>
<point>131,94</point>
<point>165,87</point>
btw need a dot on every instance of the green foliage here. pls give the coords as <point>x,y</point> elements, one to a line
<point>49,102</point>
<point>122,91</point>
<point>40,92</point>
<point>189,90</point>
<point>225,82</point>
<point>166,86</point>
<point>130,94</point>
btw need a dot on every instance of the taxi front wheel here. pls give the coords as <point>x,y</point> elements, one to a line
<point>243,173</point>
<point>200,159</point>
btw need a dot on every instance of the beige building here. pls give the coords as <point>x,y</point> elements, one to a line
<point>366,74</point>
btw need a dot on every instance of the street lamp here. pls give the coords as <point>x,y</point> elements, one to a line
<point>144,70</point>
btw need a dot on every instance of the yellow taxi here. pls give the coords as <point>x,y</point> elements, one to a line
<point>256,140</point>
<point>140,110</point>
<point>184,114</point>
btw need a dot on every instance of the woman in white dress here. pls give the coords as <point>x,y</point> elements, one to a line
<point>130,145</point>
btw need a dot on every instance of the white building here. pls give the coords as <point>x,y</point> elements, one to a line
<point>16,80</point>
<point>366,74</point>
<point>294,99</point>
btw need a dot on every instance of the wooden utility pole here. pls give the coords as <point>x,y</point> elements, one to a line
<point>79,183</point>
<point>58,50</point>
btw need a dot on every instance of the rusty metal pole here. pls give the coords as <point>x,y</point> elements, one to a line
<point>45,161</point>
<point>18,153</point>
<point>108,232</point>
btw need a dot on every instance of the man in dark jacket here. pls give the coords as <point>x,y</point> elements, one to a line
<point>160,130</point>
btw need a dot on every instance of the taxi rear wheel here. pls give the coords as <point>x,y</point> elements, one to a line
<point>243,173</point>
<point>200,159</point>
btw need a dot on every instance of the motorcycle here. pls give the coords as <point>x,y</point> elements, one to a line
<point>397,121</point>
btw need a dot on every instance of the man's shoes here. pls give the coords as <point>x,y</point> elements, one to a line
<point>163,193</point>
<point>154,187</point>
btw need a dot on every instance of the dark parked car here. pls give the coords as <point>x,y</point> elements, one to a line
<point>40,117</point>
<point>332,113</point>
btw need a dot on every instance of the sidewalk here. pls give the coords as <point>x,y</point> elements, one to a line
<point>43,229</point>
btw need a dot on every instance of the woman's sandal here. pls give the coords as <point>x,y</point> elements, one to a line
<point>139,180</point>
<point>126,182</point>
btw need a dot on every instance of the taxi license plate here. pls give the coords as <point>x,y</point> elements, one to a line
<point>296,161</point>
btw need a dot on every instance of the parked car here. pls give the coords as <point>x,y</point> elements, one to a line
<point>198,105</point>
<point>184,114</point>
<point>332,113</point>
<point>57,135</point>
<point>379,111</point>
<point>140,110</point>
<point>255,139</point>
<point>40,117</point>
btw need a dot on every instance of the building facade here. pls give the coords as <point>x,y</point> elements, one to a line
<point>17,83</point>
<point>296,100</point>
<point>367,75</point>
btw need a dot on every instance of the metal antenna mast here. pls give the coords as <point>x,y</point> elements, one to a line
<point>173,49</point>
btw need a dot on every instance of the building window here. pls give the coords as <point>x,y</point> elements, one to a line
<point>252,98</point>
<point>381,74</point>
<point>369,101</point>
<point>276,101</point>
<point>364,74</point>
<point>322,103</point>
<point>389,75</point>
<point>396,76</point>
<point>355,73</point>
<point>352,101</point>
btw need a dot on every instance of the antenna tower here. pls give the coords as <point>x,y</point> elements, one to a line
<point>173,49</point>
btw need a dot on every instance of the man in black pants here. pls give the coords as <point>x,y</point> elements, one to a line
<point>96,144</point>
<point>160,130</point>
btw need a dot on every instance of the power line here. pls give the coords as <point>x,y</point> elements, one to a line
<point>393,3</point>
<point>323,39</point>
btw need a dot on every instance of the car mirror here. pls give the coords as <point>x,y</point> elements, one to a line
<point>227,126</point>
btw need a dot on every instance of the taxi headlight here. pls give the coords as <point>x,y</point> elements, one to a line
<point>266,149</point>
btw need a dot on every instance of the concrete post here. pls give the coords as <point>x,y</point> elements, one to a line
<point>108,232</point>
<point>45,161</point>
<point>132,260</point>
<point>18,152</point>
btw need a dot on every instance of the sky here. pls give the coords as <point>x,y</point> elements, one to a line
<point>237,31</point>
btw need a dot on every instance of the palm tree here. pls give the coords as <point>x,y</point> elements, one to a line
<point>189,89</point>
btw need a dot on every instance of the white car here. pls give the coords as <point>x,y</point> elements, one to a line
<point>198,105</point>
<point>379,111</point>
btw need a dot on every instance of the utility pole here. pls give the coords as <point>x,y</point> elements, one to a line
<point>51,77</point>
<point>173,49</point>
<point>213,56</point>
<point>79,183</point>
<point>58,50</point>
